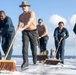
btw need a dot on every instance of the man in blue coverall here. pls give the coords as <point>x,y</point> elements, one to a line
<point>7,33</point>
<point>60,33</point>
<point>74,29</point>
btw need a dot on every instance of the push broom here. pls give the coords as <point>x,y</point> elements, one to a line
<point>54,61</point>
<point>8,64</point>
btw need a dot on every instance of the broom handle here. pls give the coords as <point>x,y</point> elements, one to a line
<point>11,45</point>
<point>58,48</point>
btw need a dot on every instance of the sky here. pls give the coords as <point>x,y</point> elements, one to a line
<point>51,11</point>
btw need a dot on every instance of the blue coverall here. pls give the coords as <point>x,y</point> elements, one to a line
<point>57,35</point>
<point>74,29</point>
<point>7,33</point>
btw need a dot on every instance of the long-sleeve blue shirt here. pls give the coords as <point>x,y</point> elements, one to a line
<point>6,26</point>
<point>74,29</point>
<point>58,34</point>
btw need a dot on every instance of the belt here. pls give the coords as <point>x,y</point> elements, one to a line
<point>30,30</point>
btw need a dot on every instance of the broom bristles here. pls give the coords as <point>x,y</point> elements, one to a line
<point>52,61</point>
<point>9,65</point>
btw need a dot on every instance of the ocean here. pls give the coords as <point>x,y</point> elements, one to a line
<point>20,56</point>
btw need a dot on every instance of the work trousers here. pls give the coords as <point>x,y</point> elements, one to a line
<point>6,41</point>
<point>43,43</point>
<point>29,36</point>
<point>60,53</point>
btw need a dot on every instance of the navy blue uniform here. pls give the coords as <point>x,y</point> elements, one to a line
<point>57,35</point>
<point>7,33</point>
<point>74,29</point>
<point>43,43</point>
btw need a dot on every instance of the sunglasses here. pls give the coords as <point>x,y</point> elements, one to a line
<point>39,22</point>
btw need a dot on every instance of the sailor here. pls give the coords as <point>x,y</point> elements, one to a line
<point>7,33</point>
<point>60,32</point>
<point>27,23</point>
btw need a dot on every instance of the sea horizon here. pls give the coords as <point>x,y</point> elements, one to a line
<point>20,56</point>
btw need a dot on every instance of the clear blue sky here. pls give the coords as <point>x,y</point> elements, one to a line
<point>42,8</point>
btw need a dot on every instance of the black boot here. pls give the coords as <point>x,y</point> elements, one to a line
<point>25,61</point>
<point>24,65</point>
<point>34,60</point>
